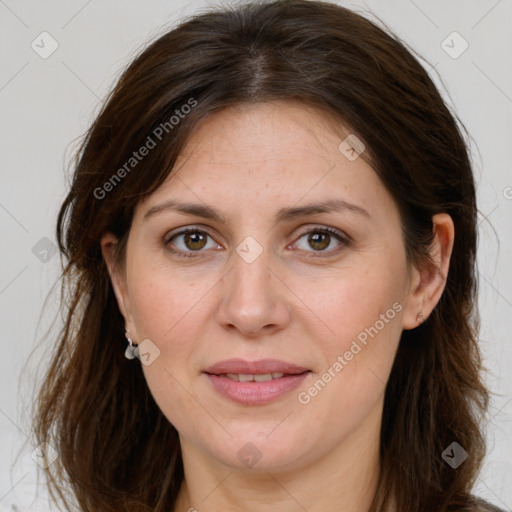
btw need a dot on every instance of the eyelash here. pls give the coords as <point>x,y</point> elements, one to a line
<point>343,239</point>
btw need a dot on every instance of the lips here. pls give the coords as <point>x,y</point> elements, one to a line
<point>256,382</point>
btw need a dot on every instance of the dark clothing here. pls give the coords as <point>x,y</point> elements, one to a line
<point>483,506</point>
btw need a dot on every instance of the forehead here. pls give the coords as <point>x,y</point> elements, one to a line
<point>269,155</point>
<point>263,131</point>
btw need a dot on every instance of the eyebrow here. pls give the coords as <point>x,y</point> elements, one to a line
<point>284,214</point>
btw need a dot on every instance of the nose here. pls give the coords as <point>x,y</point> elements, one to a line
<point>255,297</point>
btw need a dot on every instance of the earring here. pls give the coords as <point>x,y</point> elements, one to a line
<point>419,318</point>
<point>132,351</point>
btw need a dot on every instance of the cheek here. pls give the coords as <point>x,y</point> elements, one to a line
<point>357,358</point>
<point>163,301</point>
<point>165,309</point>
<point>172,309</point>
<point>353,301</point>
<point>361,313</point>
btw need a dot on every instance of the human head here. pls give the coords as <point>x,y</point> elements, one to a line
<point>350,71</point>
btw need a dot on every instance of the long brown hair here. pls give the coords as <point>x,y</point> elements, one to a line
<point>117,452</point>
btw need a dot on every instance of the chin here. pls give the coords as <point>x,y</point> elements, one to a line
<point>248,450</point>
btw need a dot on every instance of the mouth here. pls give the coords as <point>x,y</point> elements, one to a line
<point>255,368</point>
<point>256,382</point>
<point>246,377</point>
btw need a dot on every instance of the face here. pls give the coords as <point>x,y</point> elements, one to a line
<point>325,294</point>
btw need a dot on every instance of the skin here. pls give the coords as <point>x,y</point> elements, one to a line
<point>249,161</point>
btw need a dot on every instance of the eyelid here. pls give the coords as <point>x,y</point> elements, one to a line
<point>341,236</point>
<point>322,228</point>
<point>184,230</point>
<point>343,239</point>
<point>308,228</point>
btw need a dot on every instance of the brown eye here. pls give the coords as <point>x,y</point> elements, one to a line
<point>319,241</point>
<point>194,240</point>
<point>188,241</point>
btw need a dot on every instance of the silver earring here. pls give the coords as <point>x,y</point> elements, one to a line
<point>132,351</point>
<point>419,318</point>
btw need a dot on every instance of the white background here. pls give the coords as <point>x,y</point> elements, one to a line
<point>47,103</point>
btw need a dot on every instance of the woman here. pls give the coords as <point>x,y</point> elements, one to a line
<point>277,210</point>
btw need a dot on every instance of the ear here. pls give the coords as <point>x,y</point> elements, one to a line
<point>427,284</point>
<point>109,246</point>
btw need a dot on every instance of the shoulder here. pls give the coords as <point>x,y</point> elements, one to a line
<point>479,505</point>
